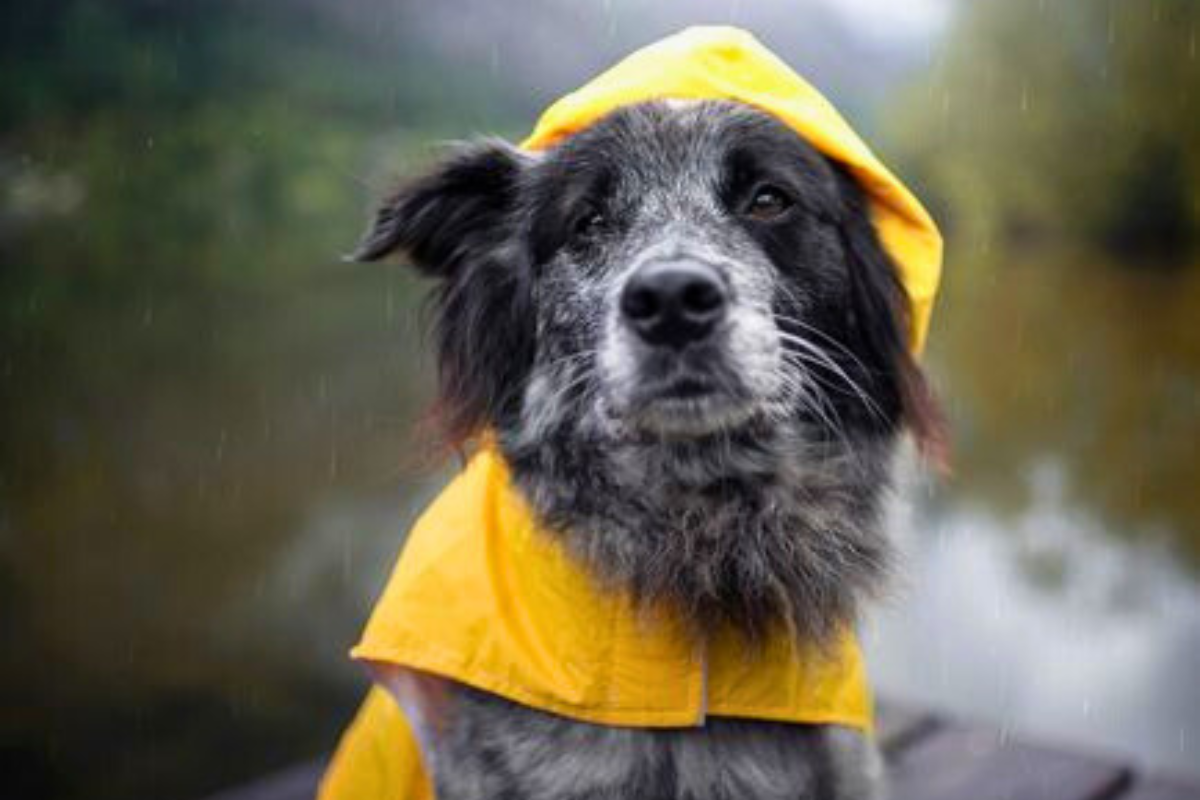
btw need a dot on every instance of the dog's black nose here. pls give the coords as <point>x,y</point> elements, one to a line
<point>674,303</point>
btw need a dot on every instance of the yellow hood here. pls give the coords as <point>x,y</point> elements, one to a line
<point>727,63</point>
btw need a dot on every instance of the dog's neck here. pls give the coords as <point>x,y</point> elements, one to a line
<point>758,530</point>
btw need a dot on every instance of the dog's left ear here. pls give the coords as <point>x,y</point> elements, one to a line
<point>880,312</point>
<point>458,224</point>
<point>453,211</point>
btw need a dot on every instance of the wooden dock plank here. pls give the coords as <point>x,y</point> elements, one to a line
<point>1161,789</point>
<point>959,763</point>
<point>297,782</point>
<point>898,726</point>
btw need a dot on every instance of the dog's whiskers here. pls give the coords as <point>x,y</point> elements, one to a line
<point>836,343</point>
<point>813,398</point>
<point>819,357</point>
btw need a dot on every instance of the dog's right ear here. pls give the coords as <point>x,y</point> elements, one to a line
<point>459,208</point>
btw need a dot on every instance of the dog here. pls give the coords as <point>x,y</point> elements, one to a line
<point>681,331</point>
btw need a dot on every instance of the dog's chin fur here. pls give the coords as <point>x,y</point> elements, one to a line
<point>681,418</point>
<point>750,527</point>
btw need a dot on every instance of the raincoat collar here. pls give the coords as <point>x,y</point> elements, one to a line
<point>482,595</point>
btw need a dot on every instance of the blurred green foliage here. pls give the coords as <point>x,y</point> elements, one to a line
<point>1073,122</point>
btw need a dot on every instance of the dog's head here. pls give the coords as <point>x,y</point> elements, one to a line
<point>677,272</point>
<point>691,348</point>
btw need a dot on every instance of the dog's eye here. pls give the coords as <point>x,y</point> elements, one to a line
<point>588,224</point>
<point>768,203</point>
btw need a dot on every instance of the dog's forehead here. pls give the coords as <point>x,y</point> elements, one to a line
<point>664,139</point>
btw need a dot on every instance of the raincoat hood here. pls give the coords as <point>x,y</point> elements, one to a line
<point>483,596</point>
<point>711,63</point>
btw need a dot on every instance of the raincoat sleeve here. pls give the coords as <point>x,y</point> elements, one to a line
<point>377,758</point>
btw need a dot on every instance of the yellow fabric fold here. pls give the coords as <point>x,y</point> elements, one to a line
<point>377,758</point>
<point>483,596</point>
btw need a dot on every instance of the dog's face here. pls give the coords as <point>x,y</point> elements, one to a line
<point>677,271</point>
<point>678,248</point>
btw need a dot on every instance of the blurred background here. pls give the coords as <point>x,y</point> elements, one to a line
<point>207,458</point>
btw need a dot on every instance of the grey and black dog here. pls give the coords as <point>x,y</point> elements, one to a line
<point>692,350</point>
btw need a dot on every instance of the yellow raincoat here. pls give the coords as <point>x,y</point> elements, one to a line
<point>480,595</point>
